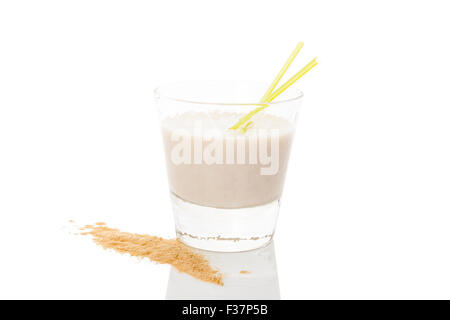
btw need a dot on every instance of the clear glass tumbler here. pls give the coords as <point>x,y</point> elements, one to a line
<point>225,184</point>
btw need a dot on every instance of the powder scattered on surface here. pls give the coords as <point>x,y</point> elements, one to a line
<point>168,251</point>
<point>244,272</point>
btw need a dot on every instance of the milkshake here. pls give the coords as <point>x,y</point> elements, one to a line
<point>211,166</point>
<point>225,185</point>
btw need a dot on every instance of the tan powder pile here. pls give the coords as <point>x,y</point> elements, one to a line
<point>169,251</point>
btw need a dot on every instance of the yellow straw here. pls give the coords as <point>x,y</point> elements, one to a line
<point>291,81</point>
<point>244,128</point>
<point>245,118</point>
<point>270,89</point>
<point>275,94</point>
<point>282,71</point>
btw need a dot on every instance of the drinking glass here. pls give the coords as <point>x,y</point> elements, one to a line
<point>225,185</point>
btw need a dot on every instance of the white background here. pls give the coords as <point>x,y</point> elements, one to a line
<point>366,208</point>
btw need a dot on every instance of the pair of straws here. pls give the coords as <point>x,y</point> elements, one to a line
<point>270,94</point>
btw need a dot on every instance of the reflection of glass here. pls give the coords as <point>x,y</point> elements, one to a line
<point>247,275</point>
<point>225,184</point>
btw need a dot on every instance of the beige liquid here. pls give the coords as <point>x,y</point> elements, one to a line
<point>227,185</point>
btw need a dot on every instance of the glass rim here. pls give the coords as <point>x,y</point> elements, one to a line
<point>158,94</point>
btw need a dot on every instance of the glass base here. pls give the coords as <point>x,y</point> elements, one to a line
<point>224,230</point>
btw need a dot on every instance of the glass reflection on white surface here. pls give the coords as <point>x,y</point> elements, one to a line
<point>246,275</point>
